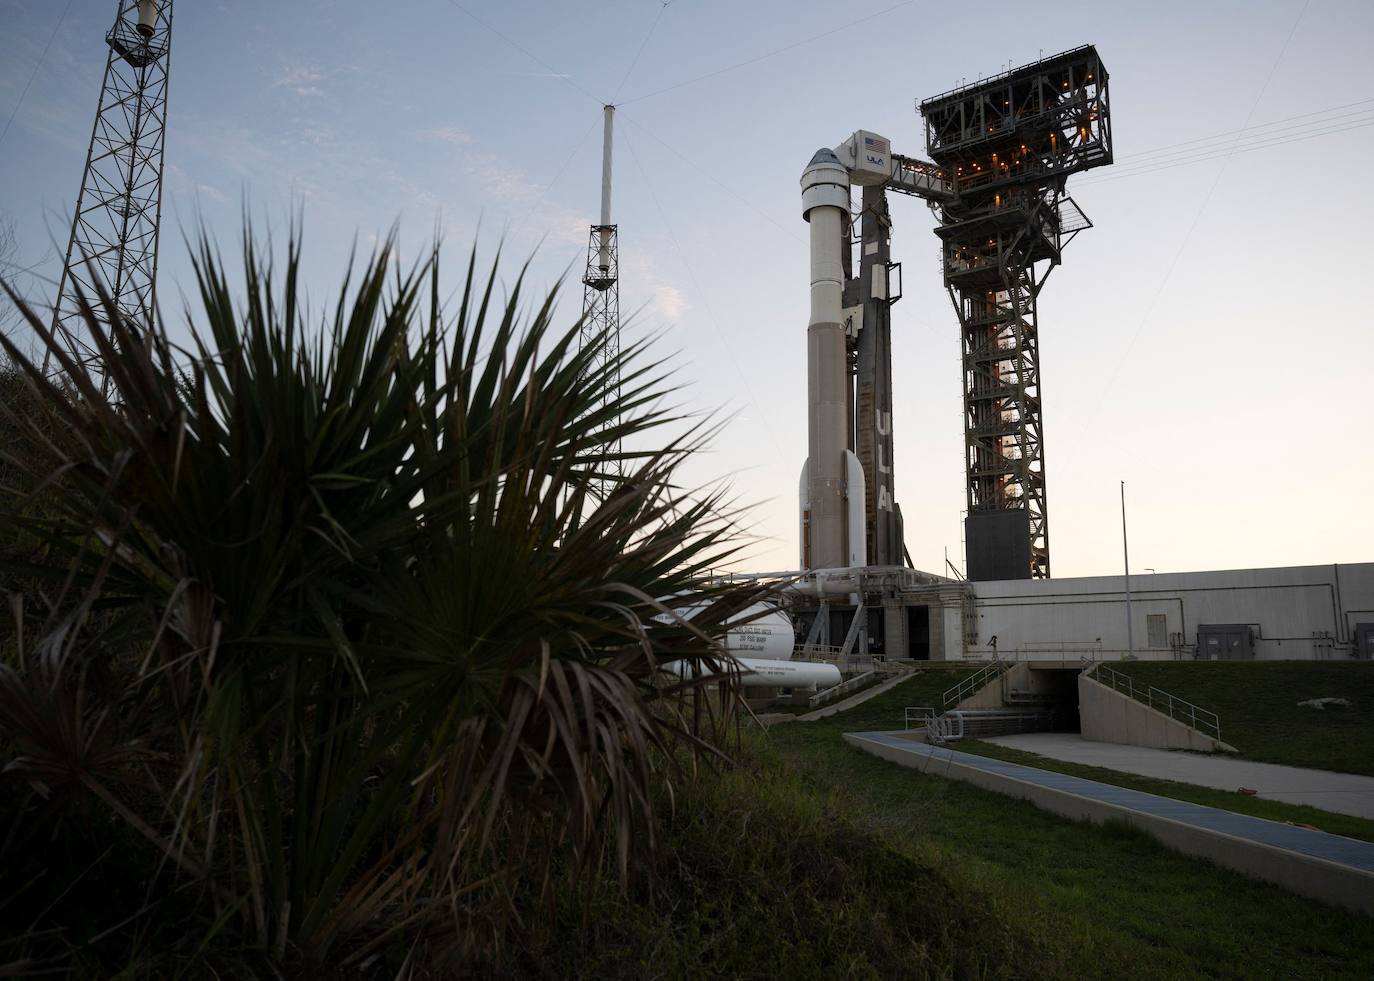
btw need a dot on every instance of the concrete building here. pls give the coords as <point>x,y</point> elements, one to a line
<point>1299,612</point>
<point>1293,613</point>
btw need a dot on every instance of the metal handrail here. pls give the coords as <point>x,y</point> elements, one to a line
<point>817,652</point>
<point>1178,709</point>
<point>973,682</point>
<point>828,695</point>
<point>920,714</point>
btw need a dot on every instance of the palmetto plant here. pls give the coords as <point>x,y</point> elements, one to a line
<point>334,619</point>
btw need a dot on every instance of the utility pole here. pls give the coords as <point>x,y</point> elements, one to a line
<point>1126,556</point>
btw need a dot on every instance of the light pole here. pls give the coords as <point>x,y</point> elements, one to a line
<point>1126,558</point>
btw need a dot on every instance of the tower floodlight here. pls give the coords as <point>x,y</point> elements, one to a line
<point>114,234</point>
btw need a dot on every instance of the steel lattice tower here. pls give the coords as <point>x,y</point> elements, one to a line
<point>601,297</point>
<point>1009,145</point>
<point>114,233</point>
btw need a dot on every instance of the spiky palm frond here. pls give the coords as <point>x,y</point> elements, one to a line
<point>403,655</point>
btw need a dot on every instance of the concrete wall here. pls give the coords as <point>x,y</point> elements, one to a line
<point>1294,613</point>
<point>993,694</point>
<point>1108,716</point>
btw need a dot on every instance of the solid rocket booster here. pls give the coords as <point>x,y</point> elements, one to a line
<point>832,479</point>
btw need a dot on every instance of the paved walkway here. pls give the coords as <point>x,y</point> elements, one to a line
<point>1343,793</point>
<point>1348,852</point>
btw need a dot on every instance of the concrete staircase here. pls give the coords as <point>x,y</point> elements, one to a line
<point>985,704</point>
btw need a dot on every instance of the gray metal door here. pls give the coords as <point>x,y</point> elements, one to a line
<point>1364,641</point>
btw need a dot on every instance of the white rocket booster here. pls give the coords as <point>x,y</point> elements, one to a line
<point>832,480</point>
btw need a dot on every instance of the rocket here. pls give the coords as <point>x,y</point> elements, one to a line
<point>831,489</point>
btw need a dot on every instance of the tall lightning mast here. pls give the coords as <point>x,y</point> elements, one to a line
<point>601,296</point>
<point>114,233</point>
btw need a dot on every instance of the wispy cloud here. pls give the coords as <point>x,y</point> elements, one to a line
<point>302,79</point>
<point>669,302</point>
<point>179,181</point>
<point>648,290</point>
<point>451,135</point>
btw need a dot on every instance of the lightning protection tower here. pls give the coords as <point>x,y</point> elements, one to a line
<point>1008,145</point>
<point>114,233</point>
<point>601,298</point>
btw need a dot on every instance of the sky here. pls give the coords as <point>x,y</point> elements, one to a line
<point>1209,341</point>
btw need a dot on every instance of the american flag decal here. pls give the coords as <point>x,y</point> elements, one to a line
<point>875,145</point>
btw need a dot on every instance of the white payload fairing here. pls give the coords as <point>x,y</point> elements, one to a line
<point>832,480</point>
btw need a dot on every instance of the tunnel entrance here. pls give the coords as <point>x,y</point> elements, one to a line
<point>1053,688</point>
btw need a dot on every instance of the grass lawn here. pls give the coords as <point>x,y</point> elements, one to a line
<point>1077,901</point>
<point>1226,800</point>
<point>1258,705</point>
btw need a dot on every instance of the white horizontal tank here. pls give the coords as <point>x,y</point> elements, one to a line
<point>764,633</point>
<point>761,631</point>
<point>760,673</point>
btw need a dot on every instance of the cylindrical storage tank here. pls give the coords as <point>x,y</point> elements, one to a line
<point>766,635</point>
<point>758,673</point>
<point>760,631</point>
<point>147,17</point>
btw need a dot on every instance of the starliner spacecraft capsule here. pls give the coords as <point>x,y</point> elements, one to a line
<point>832,481</point>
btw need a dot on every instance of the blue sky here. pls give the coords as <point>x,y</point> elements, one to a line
<point>1209,341</point>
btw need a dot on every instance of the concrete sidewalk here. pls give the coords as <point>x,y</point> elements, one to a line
<point>1341,793</point>
<point>1312,863</point>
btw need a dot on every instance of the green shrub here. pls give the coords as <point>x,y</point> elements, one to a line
<point>344,641</point>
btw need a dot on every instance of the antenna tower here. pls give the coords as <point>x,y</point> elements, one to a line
<point>601,300</point>
<point>115,229</point>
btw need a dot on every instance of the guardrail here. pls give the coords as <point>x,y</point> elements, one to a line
<point>1178,709</point>
<point>817,652</point>
<point>1033,653</point>
<point>974,682</point>
<point>920,715</point>
<point>843,688</point>
<point>982,723</point>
